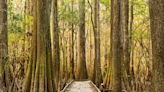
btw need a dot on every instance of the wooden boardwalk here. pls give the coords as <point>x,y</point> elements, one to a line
<point>80,86</point>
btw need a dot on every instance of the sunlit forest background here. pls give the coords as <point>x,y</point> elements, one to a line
<point>136,69</point>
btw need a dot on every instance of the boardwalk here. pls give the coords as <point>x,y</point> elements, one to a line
<point>81,86</point>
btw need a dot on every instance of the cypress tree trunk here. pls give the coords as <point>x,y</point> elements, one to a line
<point>97,75</point>
<point>72,76</point>
<point>39,77</point>
<point>116,57</point>
<point>82,58</point>
<point>3,43</point>
<point>157,34</point>
<point>56,49</point>
<point>126,42</point>
<point>125,25</point>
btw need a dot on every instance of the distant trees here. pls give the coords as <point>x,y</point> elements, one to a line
<point>157,35</point>
<point>3,43</point>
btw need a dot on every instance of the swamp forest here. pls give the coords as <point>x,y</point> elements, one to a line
<point>81,45</point>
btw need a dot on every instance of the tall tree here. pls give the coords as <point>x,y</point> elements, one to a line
<point>56,49</point>
<point>116,48</point>
<point>82,58</point>
<point>3,42</point>
<point>39,77</point>
<point>125,25</point>
<point>157,34</point>
<point>97,65</point>
<point>126,40</point>
<point>72,75</point>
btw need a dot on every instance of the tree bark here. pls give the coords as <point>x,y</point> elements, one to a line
<point>56,49</point>
<point>157,34</point>
<point>72,74</point>
<point>39,77</point>
<point>82,58</point>
<point>126,41</point>
<point>97,75</point>
<point>3,43</point>
<point>116,57</point>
